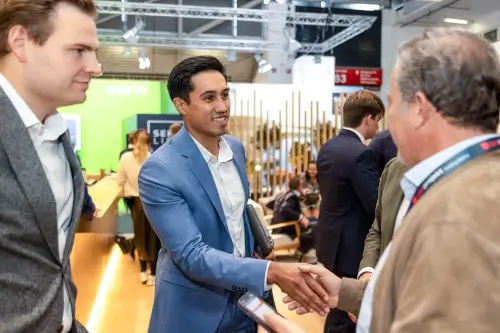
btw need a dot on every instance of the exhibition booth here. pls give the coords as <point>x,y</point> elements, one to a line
<point>281,125</point>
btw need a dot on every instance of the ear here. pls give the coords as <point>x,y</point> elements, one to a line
<point>17,39</point>
<point>423,110</point>
<point>180,105</point>
<point>367,119</point>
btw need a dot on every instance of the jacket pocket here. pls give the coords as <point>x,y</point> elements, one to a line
<point>178,279</point>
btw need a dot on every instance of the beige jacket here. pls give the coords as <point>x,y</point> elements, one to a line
<point>443,272</point>
<point>390,196</point>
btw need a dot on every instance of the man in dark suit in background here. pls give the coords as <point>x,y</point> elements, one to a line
<point>348,181</point>
<point>384,148</point>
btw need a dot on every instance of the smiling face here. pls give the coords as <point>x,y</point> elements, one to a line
<point>59,71</point>
<point>207,113</point>
<point>312,170</point>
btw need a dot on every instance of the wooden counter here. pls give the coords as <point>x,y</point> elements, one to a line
<point>94,242</point>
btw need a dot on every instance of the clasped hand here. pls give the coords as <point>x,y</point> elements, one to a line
<point>328,282</point>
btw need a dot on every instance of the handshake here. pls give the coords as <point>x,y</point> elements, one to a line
<point>308,288</point>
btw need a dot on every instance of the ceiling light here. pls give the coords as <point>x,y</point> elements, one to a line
<point>262,65</point>
<point>456,21</point>
<point>364,6</point>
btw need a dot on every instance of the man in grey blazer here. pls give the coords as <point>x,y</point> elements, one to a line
<point>47,58</point>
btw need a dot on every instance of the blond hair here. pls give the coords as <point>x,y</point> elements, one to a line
<point>142,146</point>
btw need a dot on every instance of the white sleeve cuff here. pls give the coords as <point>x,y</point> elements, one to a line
<point>267,287</point>
<point>366,270</point>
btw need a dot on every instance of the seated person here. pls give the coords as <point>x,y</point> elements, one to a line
<point>311,210</point>
<point>287,208</point>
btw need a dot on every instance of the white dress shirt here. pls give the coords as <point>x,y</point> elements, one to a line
<point>51,153</point>
<point>231,194</point>
<point>411,180</point>
<point>360,136</point>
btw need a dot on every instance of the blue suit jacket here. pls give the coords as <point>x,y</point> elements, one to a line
<point>197,272</point>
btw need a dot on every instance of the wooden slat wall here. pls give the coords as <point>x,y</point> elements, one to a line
<point>250,130</point>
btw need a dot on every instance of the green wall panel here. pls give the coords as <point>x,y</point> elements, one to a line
<point>166,103</point>
<point>109,103</point>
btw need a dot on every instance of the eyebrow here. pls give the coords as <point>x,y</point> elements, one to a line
<point>86,47</point>
<point>213,91</point>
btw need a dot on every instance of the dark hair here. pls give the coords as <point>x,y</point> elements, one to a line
<point>294,183</point>
<point>307,175</point>
<point>180,83</point>
<point>359,105</point>
<point>311,199</point>
<point>35,16</point>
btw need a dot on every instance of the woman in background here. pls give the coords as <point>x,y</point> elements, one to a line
<point>145,239</point>
<point>309,180</point>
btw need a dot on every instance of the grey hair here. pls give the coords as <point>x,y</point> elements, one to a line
<point>458,72</point>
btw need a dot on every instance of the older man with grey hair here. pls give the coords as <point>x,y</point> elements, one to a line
<point>441,272</point>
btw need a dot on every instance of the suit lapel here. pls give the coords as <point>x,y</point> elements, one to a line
<point>78,192</point>
<point>242,172</point>
<point>195,161</point>
<point>239,161</point>
<point>29,171</point>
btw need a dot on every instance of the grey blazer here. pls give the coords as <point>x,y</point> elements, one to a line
<point>31,273</point>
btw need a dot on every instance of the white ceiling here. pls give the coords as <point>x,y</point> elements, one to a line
<point>470,10</point>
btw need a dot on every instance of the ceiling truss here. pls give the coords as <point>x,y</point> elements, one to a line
<point>355,24</point>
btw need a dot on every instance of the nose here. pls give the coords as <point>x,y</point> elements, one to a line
<point>96,71</point>
<point>94,68</point>
<point>221,105</point>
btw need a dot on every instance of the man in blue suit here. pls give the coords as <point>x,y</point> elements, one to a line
<point>194,190</point>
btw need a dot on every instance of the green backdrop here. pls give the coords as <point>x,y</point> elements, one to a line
<point>108,104</point>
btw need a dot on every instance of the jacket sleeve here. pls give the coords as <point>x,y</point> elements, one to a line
<point>88,207</point>
<point>173,222</point>
<point>365,180</point>
<point>450,282</point>
<point>371,252</point>
<point>351,295</point>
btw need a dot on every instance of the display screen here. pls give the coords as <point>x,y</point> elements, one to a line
<point>258,307</point>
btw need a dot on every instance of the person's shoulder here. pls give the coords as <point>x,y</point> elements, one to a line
<point>127,155</point>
